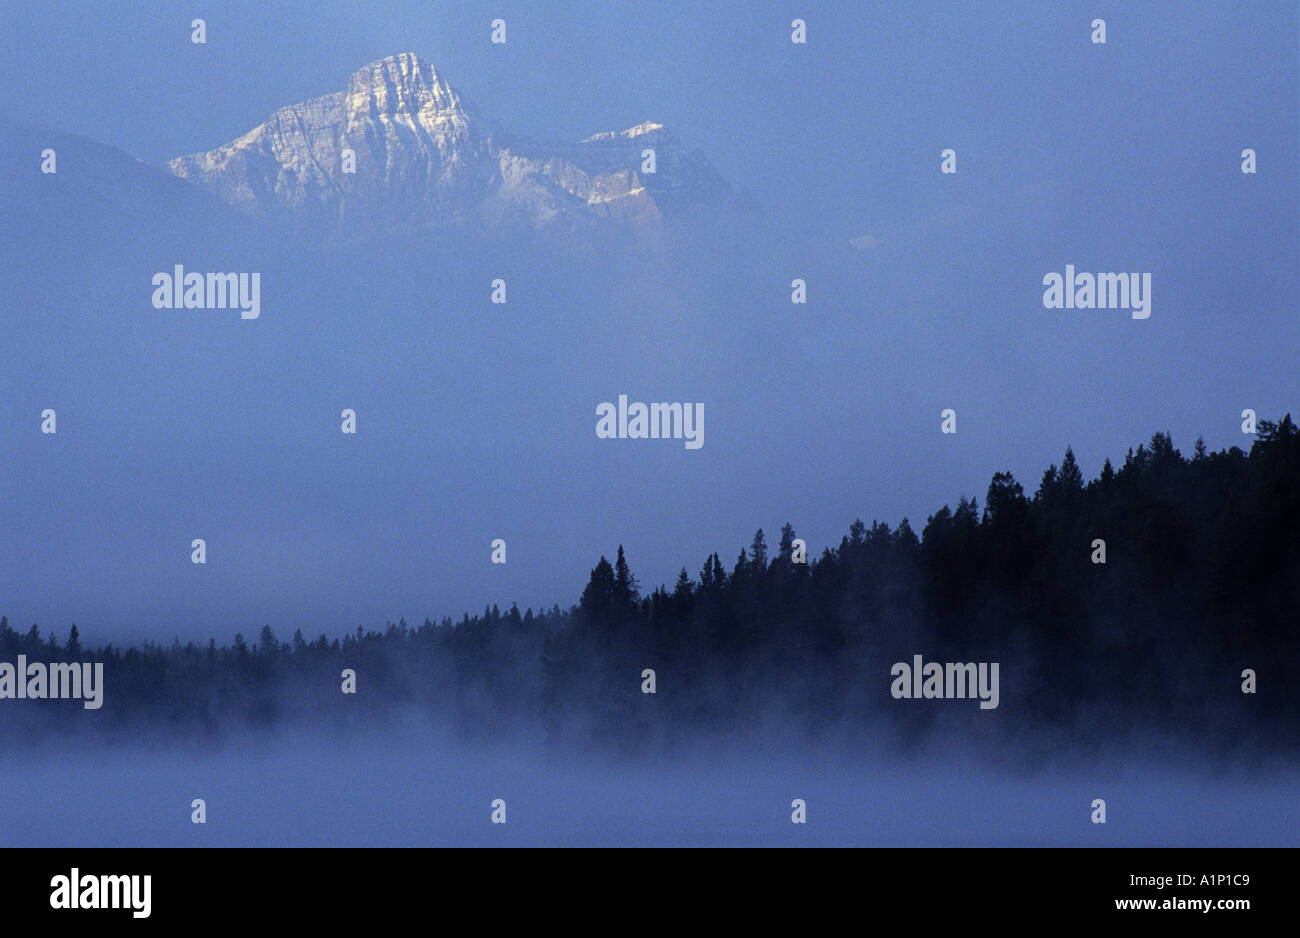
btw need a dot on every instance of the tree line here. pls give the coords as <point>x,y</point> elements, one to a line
<point>1198,585</point>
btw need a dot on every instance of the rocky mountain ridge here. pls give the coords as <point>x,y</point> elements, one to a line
<point>399,149</point>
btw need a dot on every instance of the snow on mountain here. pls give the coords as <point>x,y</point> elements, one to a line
<point>425,158</point>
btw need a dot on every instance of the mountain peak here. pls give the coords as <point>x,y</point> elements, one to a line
<point>399,83</point>
<point>399,149</point>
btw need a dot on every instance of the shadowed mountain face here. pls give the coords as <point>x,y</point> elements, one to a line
<point>100,196</point>
<point>426,159</point>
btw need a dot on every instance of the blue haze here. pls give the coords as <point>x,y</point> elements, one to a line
<point>478,421</point>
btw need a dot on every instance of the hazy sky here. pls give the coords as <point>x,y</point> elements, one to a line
<point>1115,157</point>
<point>864,106</point>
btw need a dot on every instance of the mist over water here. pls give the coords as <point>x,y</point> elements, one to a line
<point>409,787</point>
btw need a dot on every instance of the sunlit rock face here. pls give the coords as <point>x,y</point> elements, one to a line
<point>425,158</point>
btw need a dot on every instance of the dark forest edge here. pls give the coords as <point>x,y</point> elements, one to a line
<point>1200,583</point>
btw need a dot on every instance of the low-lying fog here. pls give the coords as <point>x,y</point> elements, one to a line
<point>419,788</point>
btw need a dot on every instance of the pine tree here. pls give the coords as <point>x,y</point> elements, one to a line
<point>906,539</point>
<point>1069,479</point>
<point>758,552</point>
<point>625,585</point>
<point>1004,504</point>
<point>706,574</point>
<point>598,597</point>
<point>787,541</point>
<point>1047,487</point>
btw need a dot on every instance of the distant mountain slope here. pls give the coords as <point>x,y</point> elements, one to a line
<point>99,193</point>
